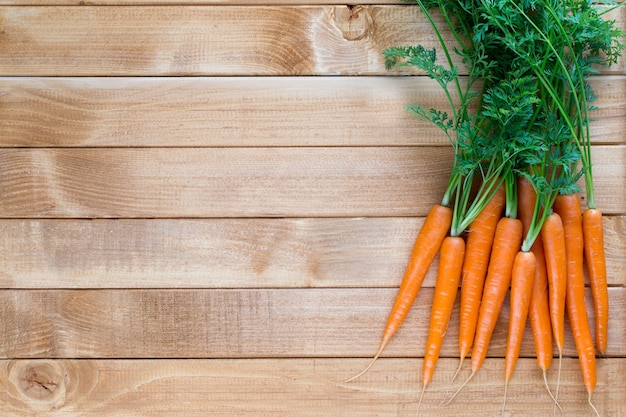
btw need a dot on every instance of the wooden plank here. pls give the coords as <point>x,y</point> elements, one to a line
<point>246,182</point>
<point>225,253</point>
<point>181,2</point>
<point>221,182</point>
<point>248,323</point>
<point>303,387</point>
<point>244,111</point>
<point>239,40</point>
<point>188,40</point>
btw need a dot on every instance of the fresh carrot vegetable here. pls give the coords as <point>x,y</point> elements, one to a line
<point>593,242</point>
<point>478,250</point>
<point>427,244</point>
<point>568,207</point>
<point>539,310</point>
<point>539,307</point>
<point>446,288</point>
<point>522,279</point>
<point>553,237</point>
<point>506,244</point>
<point>532,120</point>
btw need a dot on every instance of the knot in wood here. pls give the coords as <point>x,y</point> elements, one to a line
<point>354,22</point>
<point>40,384</point>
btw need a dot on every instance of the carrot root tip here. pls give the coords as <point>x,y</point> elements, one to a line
<point>446,402</point>
<point>506,387</point>
<point>556,402</point>
<point>419,403</point>
<point>369,365</point>
<point>593,407</point>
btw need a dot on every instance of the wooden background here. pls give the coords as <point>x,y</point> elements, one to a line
<point>206,209</point>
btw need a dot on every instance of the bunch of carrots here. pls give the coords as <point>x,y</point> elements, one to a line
<point>511,217</point>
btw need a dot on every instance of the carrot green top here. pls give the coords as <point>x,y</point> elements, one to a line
<point>527,65</point>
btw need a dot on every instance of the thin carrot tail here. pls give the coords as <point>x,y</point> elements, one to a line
<point>371,363</point>
<point>506,386</point>
<point>419,403</point>
<point>444,403</point>
<point>593,407</point>
<point>556,402</point>
<point>558,381</point>
<point>458,369</point>
<point>456,373</point>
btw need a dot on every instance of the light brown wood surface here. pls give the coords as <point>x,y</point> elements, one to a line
<point>193,222</point>
<point>236,323</point>
<point>244,111</point>
<point>231,253</point>
<point>246,182</point>
<point>216,40</point>
<point>303,387</point>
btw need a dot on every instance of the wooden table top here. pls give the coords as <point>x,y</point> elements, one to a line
<point>206,209</point>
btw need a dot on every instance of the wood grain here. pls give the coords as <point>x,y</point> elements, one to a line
<point>225,253</point>
<point>242,323</point>
<point>246,182</point>
<point>239,40</point>
<point>244,111</point>
<point>180,2</point>
<point>193,224</point>
<point>303,387</point>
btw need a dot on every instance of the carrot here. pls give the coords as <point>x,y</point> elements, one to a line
<point>506,244</point>
<point>568,207</point>
<point>539,310</point>
<point>539,307</point>
<point>446,288</point>
<point>427,244</point>
<point>593,243</point>
<point>553,237</point>
<point>478,249</point>
<point>522,280</point>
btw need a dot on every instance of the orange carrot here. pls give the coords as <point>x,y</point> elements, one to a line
<point>593,241</point>
<point>506,244</point>
<point>539,307</point>
<point>538,310</point>
<point>446,288</point>
<point>427,244</point>
<point>522,279</point>
<point>478,249</point>
<point>553,237</point>
<point>568,207</point>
